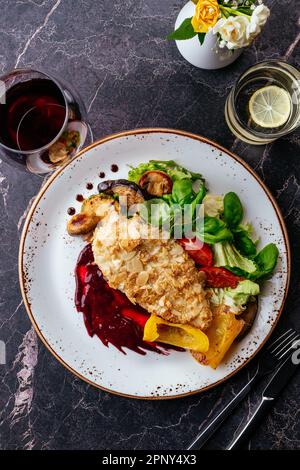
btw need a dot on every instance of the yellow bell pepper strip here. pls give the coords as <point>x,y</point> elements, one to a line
<point>222,332</point>
<point>176,334</point>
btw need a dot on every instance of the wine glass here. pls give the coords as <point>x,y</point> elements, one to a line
<point>43,121</point>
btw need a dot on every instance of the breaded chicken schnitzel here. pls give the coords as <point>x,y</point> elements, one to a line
<point>155,273</point>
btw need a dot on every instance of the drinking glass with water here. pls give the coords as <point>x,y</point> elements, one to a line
<point>265,103</point>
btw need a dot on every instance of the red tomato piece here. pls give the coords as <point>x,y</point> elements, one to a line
<point>220,277</point>
<point>200,252</point>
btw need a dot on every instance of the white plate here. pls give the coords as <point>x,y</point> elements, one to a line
<point>48,256</point>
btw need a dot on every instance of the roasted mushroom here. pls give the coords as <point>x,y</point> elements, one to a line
<point>92,210</point>
<point>123,188</point>
<point>81,224</point>
<point>248,315</point>
<point>156,183</point>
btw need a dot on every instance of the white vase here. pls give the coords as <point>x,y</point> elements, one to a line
<point>209,55</point>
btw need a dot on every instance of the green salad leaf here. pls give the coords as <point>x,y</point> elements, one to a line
<point>265,262</point>
<point>213,230</point>
<point>182,192</point>
<point>213,205</point>
<point>244,290</point>
<point>198,199</point>
<point>244,242</point>
<point>175,171</point>
<point>233,210</point>
<point>188,191</point>
<point>156,212</point>
<point>226,255</point>
<point>237,297</point>
<point>233,215</point>
<point>222,225</point>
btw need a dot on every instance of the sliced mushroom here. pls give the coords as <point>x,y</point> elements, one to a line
<point>81,224</point>
<point>156,183</point>
<point>123,188</point>
<point>248,315</point>
<point>92,210</point>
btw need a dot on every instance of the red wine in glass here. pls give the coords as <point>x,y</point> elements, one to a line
<point>42,122</point>
<point>34,114</point>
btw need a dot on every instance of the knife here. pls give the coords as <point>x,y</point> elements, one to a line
<point>271,392</point>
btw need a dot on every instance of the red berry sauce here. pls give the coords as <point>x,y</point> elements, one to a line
<point>107,312</point>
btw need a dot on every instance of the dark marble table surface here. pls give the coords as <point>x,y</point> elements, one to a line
<point>129,76</point>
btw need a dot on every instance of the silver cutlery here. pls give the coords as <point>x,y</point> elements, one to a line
<point>269,361</point>
<point>281,377</point>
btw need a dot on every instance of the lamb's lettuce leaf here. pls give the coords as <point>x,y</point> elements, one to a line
<point>233,210</point>
<point>213,230</point>
<point>266,261</point>
<point>243,242</point>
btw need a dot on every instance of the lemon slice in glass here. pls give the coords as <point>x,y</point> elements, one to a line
<point>270,106</point>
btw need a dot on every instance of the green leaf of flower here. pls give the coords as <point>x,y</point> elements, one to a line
<point>201,37</point>
<point>185,31</point>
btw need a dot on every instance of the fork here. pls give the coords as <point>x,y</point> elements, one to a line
<point>270,359</point>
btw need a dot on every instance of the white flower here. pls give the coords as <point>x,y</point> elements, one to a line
<point>234,31</point>
<point>258,19</point>
<point>260,15</point>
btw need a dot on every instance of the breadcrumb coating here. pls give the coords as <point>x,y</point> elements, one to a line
<point>155,273</point>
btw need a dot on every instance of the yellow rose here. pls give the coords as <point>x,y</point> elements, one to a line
<point>206,15</point>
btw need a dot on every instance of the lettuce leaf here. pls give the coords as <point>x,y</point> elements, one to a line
<point>236,298</point>
<point>213,205</point>
<point>265,262</point>
<point>241,294</point>
<point>226,255</point>
<point>175,171</point>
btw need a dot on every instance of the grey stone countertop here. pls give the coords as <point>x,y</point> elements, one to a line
<point>115,53</point>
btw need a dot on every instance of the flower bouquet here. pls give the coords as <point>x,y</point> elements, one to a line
<point>235,23</point>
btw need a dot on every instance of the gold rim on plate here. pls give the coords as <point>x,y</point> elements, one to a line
<point>125,134</point>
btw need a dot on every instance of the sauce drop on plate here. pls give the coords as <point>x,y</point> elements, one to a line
<point>114,168</point>
<point>107,312</point>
